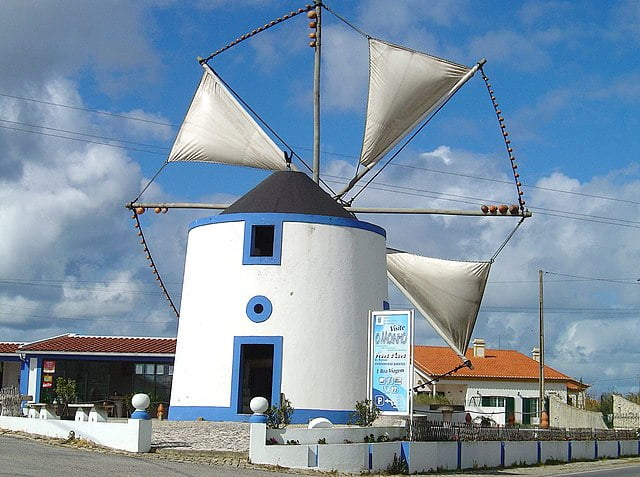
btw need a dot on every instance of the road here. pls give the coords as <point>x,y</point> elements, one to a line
<point>25,457</point>
<point>22,457</point>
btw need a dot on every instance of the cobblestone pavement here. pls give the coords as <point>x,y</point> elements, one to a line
<point>201,436</point>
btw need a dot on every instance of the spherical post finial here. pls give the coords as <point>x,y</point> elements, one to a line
<point>141,402</point>
<point>258,405</point>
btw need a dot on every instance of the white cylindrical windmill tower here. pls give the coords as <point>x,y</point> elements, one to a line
<point>275,302</point>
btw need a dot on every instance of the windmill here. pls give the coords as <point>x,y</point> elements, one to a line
<point>278,285</point>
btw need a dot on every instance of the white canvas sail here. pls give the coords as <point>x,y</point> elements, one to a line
<point>447,293</point>
<point>218,129</point>
<point>405,86</point>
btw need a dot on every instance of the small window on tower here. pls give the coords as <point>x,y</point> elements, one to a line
<point>262,240</point>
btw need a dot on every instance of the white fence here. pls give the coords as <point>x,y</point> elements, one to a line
<point>305,451</point>
<point>134,435</point>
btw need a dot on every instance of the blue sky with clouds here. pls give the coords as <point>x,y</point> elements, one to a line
<point>566,75</point>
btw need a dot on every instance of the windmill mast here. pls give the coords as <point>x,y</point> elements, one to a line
<point>315,16</point>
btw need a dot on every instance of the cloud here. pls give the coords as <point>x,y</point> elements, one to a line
<point>69,257</point>
<point>347,69</point>
<point>552,240</point>
<point>43,40</point>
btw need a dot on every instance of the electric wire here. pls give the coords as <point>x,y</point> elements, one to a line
<point>538,210</point>
<point>87,110</point>
<point>123,141</point>
<point>94,319</point>
<point>348,156</point>
<point>81,140</point>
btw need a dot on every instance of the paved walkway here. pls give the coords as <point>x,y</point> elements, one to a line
<point>201,436</point>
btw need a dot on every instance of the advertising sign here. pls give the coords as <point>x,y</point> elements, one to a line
<point>390,374</point>
<point>48,366</point>
<point>47,381</point>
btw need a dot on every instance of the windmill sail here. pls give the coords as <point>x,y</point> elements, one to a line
<point>218,129</point>
<point>447,293</point>
<point>405,87</point>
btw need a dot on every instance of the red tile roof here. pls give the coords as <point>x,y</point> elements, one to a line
<point>8,347</point>
<point>496,364</point>
<point>71,343</point>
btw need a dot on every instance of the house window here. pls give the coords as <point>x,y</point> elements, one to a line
<point>262,237</point>
<point>493,401</point>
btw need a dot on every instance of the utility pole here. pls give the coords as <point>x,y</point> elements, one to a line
<point>541,402</point>
<point>316,94</point>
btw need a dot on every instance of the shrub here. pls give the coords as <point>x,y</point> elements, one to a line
<point>65,392</point>
<point>398,466</point>
<point>279,417</point>
<point>365,414</point>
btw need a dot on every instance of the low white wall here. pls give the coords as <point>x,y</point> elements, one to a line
<point>334,435</point>
<point>431,456</point>
<point>474,455</point>
<point>607,449</point>
<point>520,453</point>
<point>419,456</point>
<point>133,435</point>
<point>584,450</point>
<point>555,451</point>
<point>629,448</point>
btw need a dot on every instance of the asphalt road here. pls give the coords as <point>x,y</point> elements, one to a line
<point>26,457</point>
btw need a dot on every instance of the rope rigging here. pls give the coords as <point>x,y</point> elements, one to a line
<point>487,210</point>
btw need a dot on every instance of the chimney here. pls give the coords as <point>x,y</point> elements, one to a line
<point>535,354</point>
<point>478,348</point>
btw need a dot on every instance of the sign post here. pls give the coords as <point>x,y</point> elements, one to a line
<point>390,361</point>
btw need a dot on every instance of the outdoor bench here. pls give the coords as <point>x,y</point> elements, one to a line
<point>40,410</point>
<point>92,412</point>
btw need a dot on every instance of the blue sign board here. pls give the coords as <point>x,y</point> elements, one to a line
<point>390,361</point>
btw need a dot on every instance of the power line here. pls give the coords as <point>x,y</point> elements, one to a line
<point>488,179</point>
<point>501,181</point>
<point>93,319</point>
<point>390,187</point>
<point>636,281</point>
<point>94,289</point>
<point>479,201</point>
<point>82,140</point>
<point>162,148</point>
<point>561,310</point>
<point>349,156</point>
<point>87,110</point>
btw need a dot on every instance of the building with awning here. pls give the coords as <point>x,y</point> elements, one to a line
<point>105,368</point>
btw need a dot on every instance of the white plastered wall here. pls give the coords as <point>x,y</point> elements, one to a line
<point>328,280</point>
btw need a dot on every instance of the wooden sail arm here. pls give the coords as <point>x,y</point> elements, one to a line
<point>492,211</point>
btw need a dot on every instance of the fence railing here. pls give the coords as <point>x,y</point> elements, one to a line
<point>424,430</point>
<point>10,400</point>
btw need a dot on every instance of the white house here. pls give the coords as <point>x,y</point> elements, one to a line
<point>502,383</point>
<point>275,302</point>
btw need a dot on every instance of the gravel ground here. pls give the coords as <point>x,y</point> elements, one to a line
<point>201,436</point>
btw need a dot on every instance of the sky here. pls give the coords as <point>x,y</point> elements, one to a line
<point>92,93</point>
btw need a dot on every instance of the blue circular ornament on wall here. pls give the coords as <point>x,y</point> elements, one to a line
<point>259,309</point>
